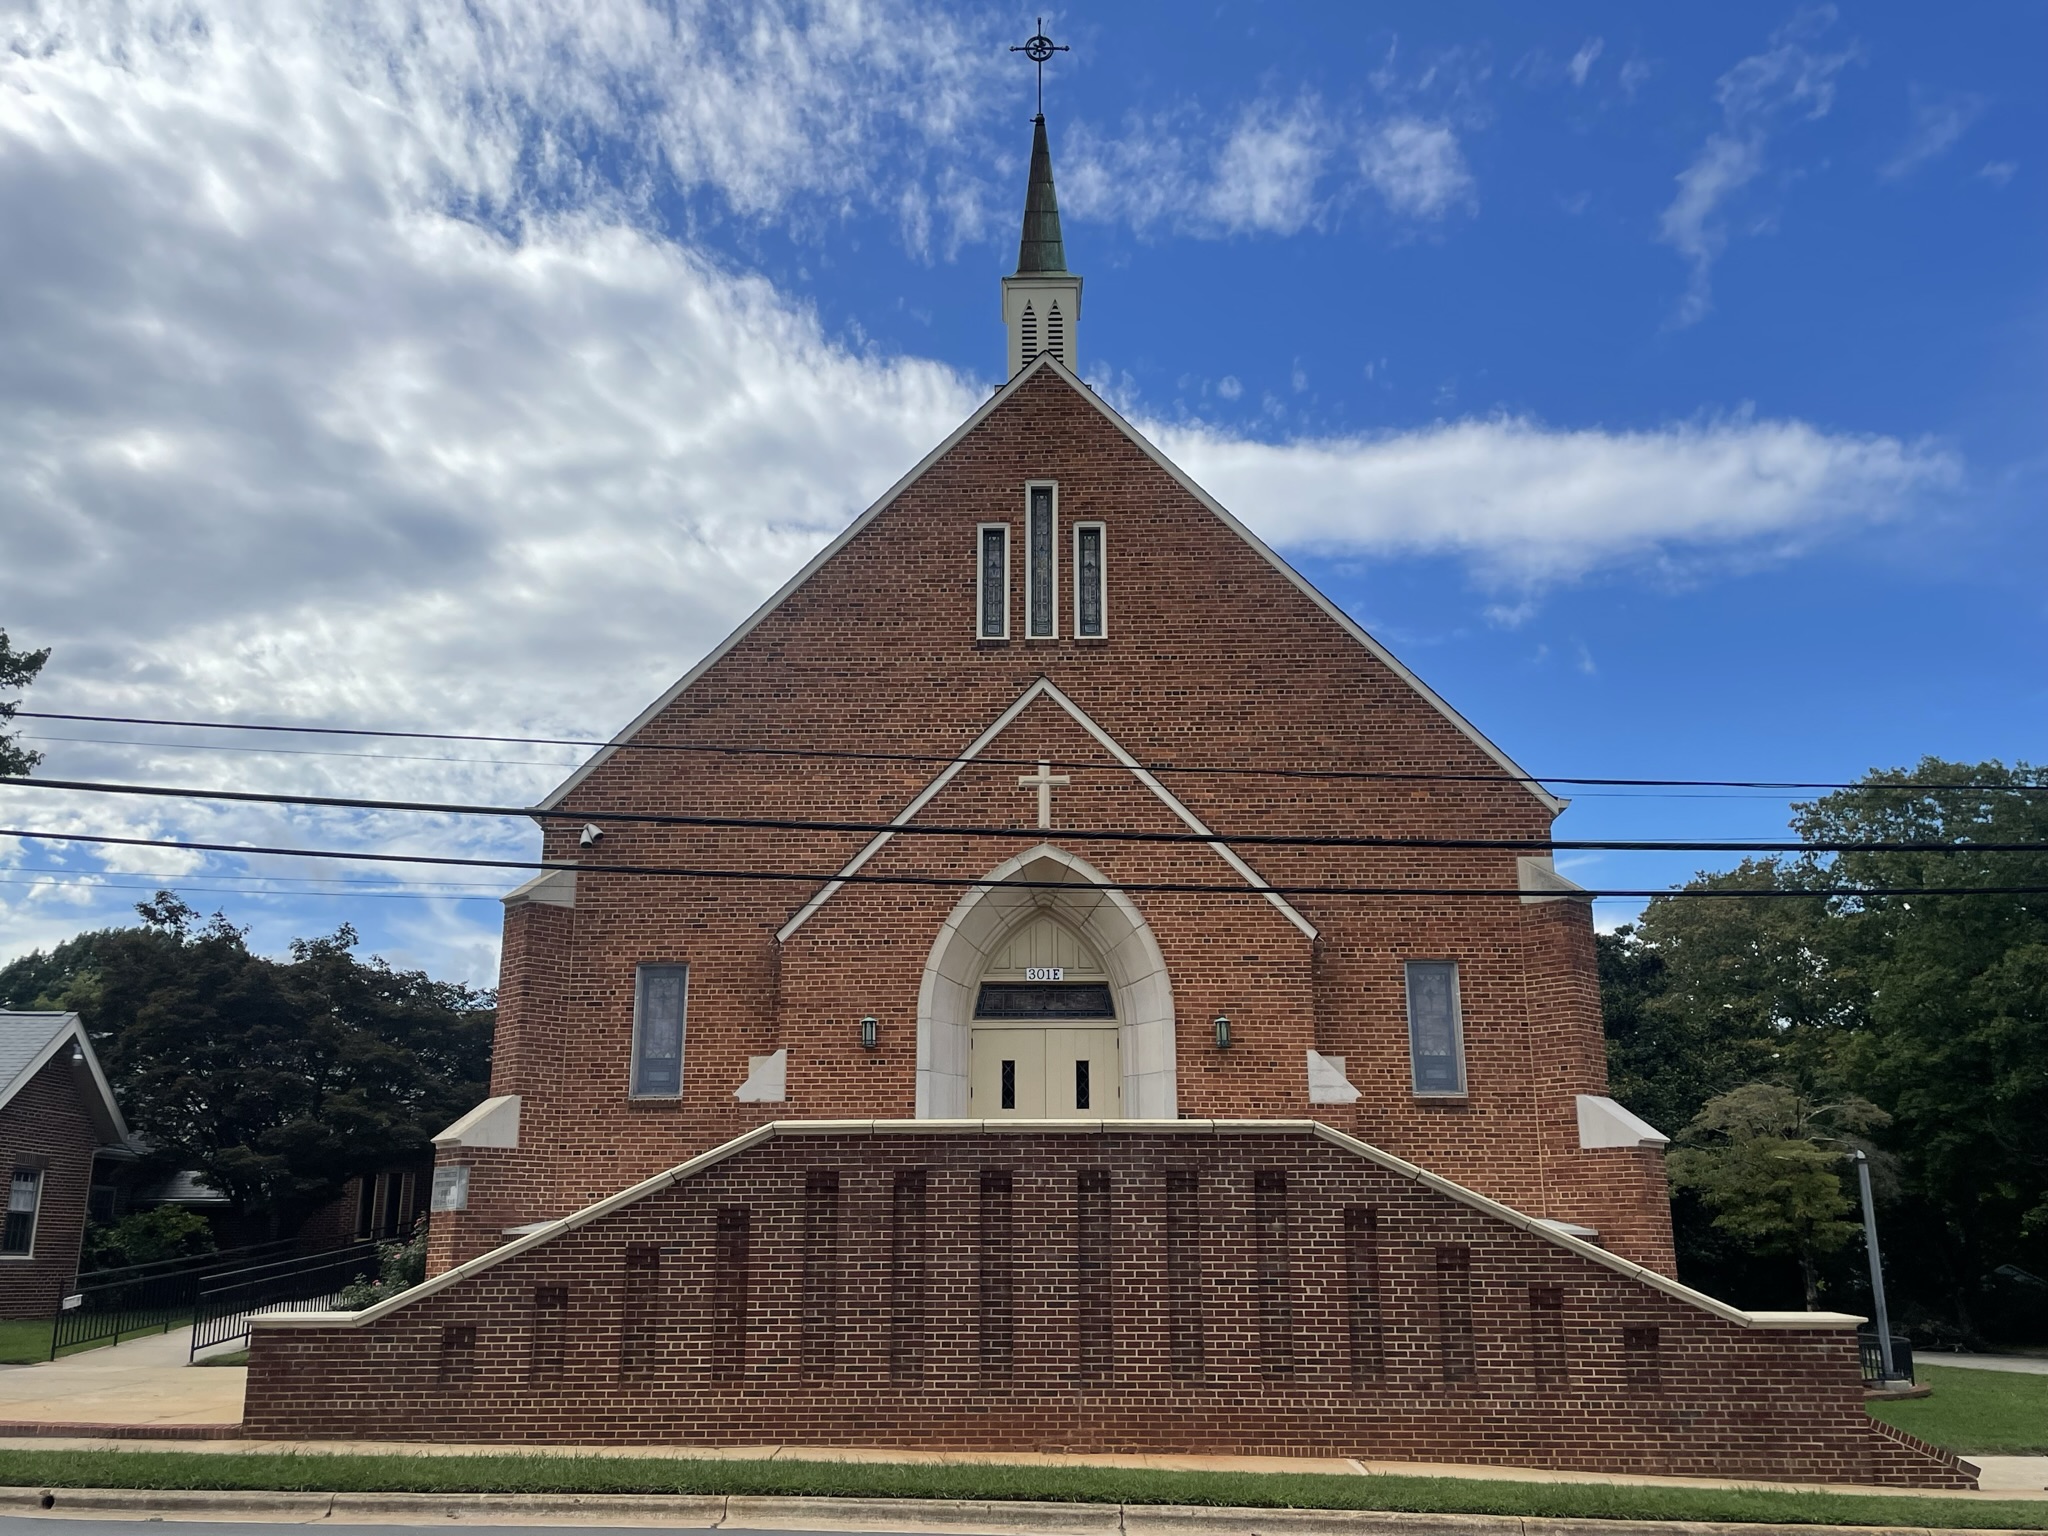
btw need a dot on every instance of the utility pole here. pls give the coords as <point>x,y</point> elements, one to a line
<point>1884,1322</point>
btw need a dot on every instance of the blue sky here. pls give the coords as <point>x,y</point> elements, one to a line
<point>1665,386</point>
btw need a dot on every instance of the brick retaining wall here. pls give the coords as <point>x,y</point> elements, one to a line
<point>1243,1288</point>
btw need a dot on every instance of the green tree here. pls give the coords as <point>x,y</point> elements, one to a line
<point>1768,1162</point>
<point>17,670</point>
<point>1934,1007</point>
<point>277,1080</point>
<point>1951,1026</point>
<point>1709,992</point>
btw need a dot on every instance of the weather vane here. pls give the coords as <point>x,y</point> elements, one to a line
<point>1038,50</point>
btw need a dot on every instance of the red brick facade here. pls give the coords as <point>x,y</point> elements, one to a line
<point>1147,1269</point>
<point>48,1126</point>
<point>1214,657</point>
<point>1238,1287</point>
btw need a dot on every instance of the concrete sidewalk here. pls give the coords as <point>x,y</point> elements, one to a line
<point>2024,1365</point>
<point>140,1383</point>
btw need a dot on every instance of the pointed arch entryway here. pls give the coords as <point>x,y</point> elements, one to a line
<point>1080,899</point>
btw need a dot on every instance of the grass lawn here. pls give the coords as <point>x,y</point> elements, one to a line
<point>231,1357</point>
<point>1996,1413</point>
<point>26,1340</point>
<point>1084,1485</point>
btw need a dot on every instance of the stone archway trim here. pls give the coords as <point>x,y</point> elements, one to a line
<point>1112,925</point>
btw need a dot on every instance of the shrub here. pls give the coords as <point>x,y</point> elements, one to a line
<point>147,1237</point>
<point>400,1267</point>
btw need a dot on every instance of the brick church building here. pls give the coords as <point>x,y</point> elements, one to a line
<point>1050,979</point>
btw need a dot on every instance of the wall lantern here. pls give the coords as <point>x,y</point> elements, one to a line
<point>1222,1032</point>
<point>870,1032</point>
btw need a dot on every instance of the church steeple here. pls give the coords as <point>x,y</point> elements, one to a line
<point>1042,302</point>
<point>1041,249</point>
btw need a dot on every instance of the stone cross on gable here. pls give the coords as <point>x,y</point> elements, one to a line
<point>1044,781</point>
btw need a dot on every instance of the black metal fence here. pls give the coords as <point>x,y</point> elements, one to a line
<point>141,1298</point>
<point>224,1300</point>
<point>1873,1358</point>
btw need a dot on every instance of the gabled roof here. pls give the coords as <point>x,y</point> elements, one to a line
<point>1044,689</point>
<point>1047,362</point>
<point>29,1041</point>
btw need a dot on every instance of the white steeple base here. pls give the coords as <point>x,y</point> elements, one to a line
<point>1042,313</point>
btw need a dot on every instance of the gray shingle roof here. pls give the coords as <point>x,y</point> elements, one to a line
<point>28,1040</point>
<point>23,1037</point>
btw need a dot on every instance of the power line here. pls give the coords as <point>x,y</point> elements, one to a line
<point>917,829</point>
<point>227,746</point>
<point>162,875</point>
<point>833,877</point>
<point>243,890</point>
<point>941,760</point>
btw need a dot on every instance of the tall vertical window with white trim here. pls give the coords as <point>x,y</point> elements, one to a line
<point>24,1198</point>
<point>1436,1027</point>
<point>1091,611</point>
<point>1041,563</point>
<point>660,1006</point>
<point>992,582</point>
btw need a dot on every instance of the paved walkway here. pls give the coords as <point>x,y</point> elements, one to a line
<point>146,1382</point>
<point>2025,1365</point>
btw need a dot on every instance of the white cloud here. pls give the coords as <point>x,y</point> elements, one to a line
<point>1787,82</point>
<point>1417,167</point>
<point>1938,122</point>
<point>1583,61</point>
<point>347,380</point>
<point>1997,172</point>
<point>1272,172</point>
<point>1266,172</point>
<point>1169,172</point>
<point>1527,505</point>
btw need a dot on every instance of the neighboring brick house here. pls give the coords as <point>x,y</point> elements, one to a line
<point>57,1116</point>
<point>1046,628</point>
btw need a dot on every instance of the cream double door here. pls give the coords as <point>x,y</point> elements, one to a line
<point>1045,1074</point>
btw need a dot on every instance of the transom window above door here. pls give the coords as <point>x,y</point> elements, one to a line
<point>1043,970</point>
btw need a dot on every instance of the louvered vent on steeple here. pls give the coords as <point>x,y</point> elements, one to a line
<point>1027,336</point>
<point>1055,334</point>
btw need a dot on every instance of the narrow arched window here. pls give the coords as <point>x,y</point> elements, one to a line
<point>1056,334</point>
<point>1027,337</point>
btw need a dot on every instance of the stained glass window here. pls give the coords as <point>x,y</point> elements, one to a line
<point>658,1031</point>
<point>1436,1046</point>
<point>1039,579</point>
<point>1044,1000</point>
<point>994,582</point>
<point>1088,580</point>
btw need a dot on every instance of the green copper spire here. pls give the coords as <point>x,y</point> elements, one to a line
<point>1041,249</point>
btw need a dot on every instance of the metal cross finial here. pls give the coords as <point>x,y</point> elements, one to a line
<point>1038,50</point>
